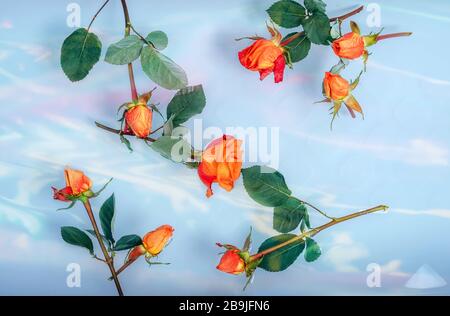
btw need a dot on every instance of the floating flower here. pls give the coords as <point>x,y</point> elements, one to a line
<point>265,56</point>
<point>335,87</point>
<point>221,163</point>
<point>338,90</point>
<point>231,262</point>
<point>139,120</point>
<point>156,240</point>
<point>353,45</point>
<point>349,46</point>
<point>152,243</point>
<point>77,184</point>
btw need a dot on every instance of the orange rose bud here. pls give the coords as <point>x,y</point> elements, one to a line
<point>221,163</point>
<point>135,253</point>
<point>349,46</point>
<point>335,87</point>
<point>139,120</point>
<point>265,56</point>
<point>77,181</point>
<point>156,240</point>
<point>76,184</point>
<point>231,262</point>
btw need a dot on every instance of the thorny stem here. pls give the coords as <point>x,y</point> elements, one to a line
<point>96,14</point>
<point>386,36</point>
<point>340,18</point>
<point>134,94</point>
<point>108,259</point>
<point>119,132</point>
<point>317,230</point>
<point>347,15</point>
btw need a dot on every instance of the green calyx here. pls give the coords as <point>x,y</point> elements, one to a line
<point>370,40</point>
<point>251,266</point>
<point>245,255</point>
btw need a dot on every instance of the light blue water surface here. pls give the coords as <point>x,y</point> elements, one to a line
<point>398,155</point>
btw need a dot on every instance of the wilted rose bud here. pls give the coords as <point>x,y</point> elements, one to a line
<point>76,184</point>
<point>265,56</point>
<point>349,46</point>
<point>221,163</point>
<point>63,194</point>
<point>335,87</point>
<point>155,241</point>
<point>139,119</point>
<point>231,262</point>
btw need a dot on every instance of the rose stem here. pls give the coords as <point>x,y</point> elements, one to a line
<point>125,265</point>
<point>386,36</point>
<point>134,94</point>
<point>96,14</point>
<point>340,18</point>
<point>108,259</point>
<point>317,230</point>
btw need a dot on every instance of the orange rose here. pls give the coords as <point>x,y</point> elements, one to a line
<point>139,119</point>
<point>231,262</point>
<point>339,91</point>
<point>221,163</point>
<point>335,87</point>
<point>76,183</point>
<point>349,46</point>
<point>156,240</point>
<point>266,57</point>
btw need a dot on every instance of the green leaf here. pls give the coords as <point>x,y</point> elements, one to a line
<point>267,188</point>
<point>315,6</point>
<point>173,148</point>
<point>77,237</point>
<point>288,216</point>
<point>126,142</point>
<point>298,48</point>
<point>306,220</point>
<point>79,53</point>
<point>162,70</point>
<point>282,258</point>
<point>185,104</point>
<point>168,127</point>
<point>312,251</point>
<point>158,39</point>
<point>317,28</point>
<point>248,241</point>
<point>106,217</point>
<point>287,13</point>
<point>127,242</point>
<point>124,51</point>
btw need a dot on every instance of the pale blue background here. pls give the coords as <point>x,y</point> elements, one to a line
<point>398,155</point>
